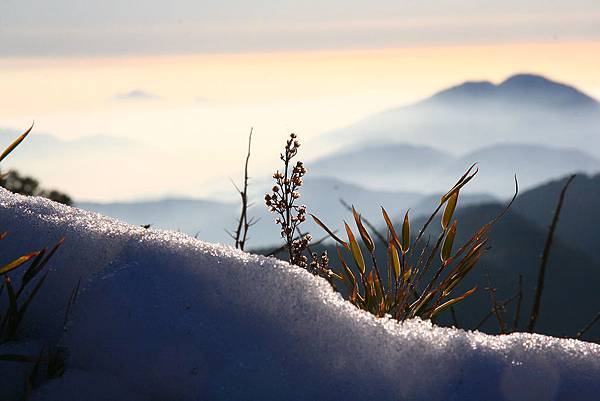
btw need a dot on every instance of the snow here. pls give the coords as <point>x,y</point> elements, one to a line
<point>163,316</point>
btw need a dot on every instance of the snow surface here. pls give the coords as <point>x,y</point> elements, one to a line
<point>163,316</point>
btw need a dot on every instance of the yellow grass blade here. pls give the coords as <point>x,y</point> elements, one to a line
<point>15,143</point>
<point>355,249</point>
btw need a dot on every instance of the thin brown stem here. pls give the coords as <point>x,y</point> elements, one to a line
<point>535,311</point>
<point>282,248</point>
<point>241,232</point>
<point>588,326</point>
<point>519,301</point>
<point>491,312</point>
<point>495,306</point>
<point>454,317</point>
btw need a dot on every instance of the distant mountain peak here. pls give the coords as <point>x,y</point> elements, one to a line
<point>466,90</point>
<point>542,90</point>
<point>526,79</point>
<point>523,88</point>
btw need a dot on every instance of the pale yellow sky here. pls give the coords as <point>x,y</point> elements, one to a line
<point>208,102</point>
<point>56,85</point>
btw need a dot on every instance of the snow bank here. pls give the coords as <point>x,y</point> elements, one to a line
<point>163,316</point>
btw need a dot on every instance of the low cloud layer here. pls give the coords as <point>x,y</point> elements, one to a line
<point>136,94</point>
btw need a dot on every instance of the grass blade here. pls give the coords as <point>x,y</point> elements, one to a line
<point>331,234</point>
<point>449,210</point>
<point>363,232</point>
<point>15,143</point>
<point>17,262</point>
<point>355,249</point>
<point>453,301</point>
<point>448,242</point>
<point>405,233</point>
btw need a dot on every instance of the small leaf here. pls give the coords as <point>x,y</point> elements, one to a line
<point>363,232</point>
<point>371,286</point>
<point>448,242</point>
<point>421,303</point>
<point>17,262</point>
<point>378,288</point>
<point>452,302</point>
<point>355,249</point>
<point>395,260</point>
<point>405,233</point>
<point>35,268</point>
<point>406,275</point>
<point>449,210</point>
<point>460,183</point>
<point>15,143</point>
<point>11,314</point>
<point>391,228</point>
<point>331,234</point>
<point>32,295</point>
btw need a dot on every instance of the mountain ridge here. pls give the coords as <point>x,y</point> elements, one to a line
<point>518,87</point>
<point>524,108</point>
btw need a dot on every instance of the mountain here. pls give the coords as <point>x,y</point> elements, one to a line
<point>524,108</point>
<point>532,164</point>
<point>401,166</point>
<point>391,166</point>
<point>527,90</point>
<point>209,219</point>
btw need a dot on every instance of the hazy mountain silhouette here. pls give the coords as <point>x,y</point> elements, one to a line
<point>391,166</point>
<point>524,89</point>
<point>421,169</point>
<point>533,165</point>
<point>192,216</point>
<point>524,108</point>
<point>209,219</point>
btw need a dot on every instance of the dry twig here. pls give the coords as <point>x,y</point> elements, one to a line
<point>535,311</point>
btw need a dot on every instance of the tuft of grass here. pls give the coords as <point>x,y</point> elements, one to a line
<point>19,298</point>
<point>49,363</point>
<point>402,293</point>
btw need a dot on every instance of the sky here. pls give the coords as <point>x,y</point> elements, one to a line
<point>187,79</point>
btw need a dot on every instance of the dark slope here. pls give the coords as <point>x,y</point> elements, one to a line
<point>579,224</point>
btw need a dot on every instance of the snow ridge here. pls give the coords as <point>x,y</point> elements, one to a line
<point>164,316</point>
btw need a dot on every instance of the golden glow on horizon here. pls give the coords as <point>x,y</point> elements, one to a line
<point>210,101</point>
<point>71,84</point>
